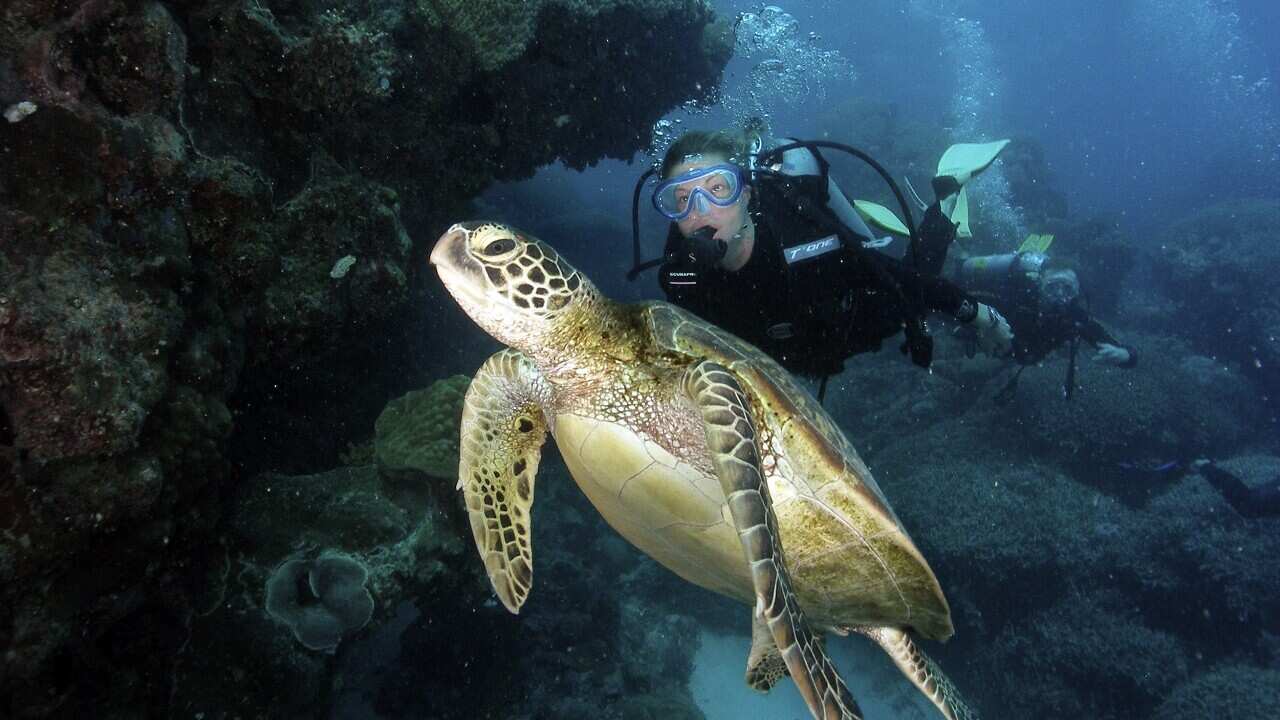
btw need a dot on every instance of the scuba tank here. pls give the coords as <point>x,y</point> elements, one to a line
<point>997,274</point>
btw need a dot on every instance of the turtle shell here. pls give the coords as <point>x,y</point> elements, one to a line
<point>850,558</point>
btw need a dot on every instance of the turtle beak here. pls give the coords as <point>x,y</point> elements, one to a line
<point>453,263</point>
<point>451,249</point>
<point>461,274</point>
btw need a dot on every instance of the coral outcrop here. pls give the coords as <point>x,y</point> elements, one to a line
<point>1088,565</point>
<point>591,642</point>
<point>1177,405</point>
<point>1216,269</point>
<point>419,430</point>
<point>174,197</point>
<point>308,561</point>
<point>1060,648</point>
<point>1229,692</point>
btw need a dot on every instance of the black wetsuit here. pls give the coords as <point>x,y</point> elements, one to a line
<point>1251,502</point>
<point>810,295</point>
<point>1037,332</point>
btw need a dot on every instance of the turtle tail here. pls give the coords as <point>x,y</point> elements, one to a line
<point>923,672</point>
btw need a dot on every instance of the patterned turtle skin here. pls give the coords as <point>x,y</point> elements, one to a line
<point>697,448</point>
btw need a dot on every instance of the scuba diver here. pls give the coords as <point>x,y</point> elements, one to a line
<point>1254,502</point>
<point>765,245</point>
<point>1042,300</point>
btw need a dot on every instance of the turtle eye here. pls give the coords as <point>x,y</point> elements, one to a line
<point>500,246</point>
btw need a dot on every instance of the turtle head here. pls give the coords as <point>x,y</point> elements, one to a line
<point>509,282</point>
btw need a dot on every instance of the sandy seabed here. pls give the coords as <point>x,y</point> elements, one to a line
<point>722,694</point>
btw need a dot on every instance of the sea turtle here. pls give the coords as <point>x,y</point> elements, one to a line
<point>698,449</point>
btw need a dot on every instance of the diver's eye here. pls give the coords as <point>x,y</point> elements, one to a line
<point>499,247</point>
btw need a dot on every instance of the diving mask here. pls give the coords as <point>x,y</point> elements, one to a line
<point>698,189</point>
<point>1059,288</point>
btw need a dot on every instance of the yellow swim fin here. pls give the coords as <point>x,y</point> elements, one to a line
<point>960,213</point>
<point>881,217</point>
<point>1036,244</point>
<point>957,166</point>
<point>962,161</point>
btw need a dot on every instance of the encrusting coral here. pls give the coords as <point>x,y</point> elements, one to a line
<point>419,430</point>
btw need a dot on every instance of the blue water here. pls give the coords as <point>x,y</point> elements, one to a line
<point>1146,109</point>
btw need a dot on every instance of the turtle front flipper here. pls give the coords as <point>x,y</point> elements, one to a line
<point>503,429</point>
<point>920,670</point>
<point>731,442</point>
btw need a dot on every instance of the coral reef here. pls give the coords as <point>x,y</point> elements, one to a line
<point>1223,250</point>
<point>94,399</point>
<point>1060,534</point>
<point>1237,557</point>
<point>1175,406</point>
<point>180,181</point>
<point>1056,655</point>
<point>140,65</point>
<point>1215,269</point>
<point>419,430</point>
<point>304,310</point>
<point>1228,692</point>
<point>345,502</point>
<point>307,562</point>
<point>591,642</point>
<point>269,616</point>
<point>490,35</point>
<point>419,84</point>
<point>978,519</point>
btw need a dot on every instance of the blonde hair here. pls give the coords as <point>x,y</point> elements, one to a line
<point>733,144</point>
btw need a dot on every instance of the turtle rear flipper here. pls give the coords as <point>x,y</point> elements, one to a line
<point>765,666</point>
<point>731,443</point>
<point>920,670</point>
<point>503,429</point>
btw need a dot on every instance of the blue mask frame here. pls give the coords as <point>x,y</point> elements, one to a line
<point>700,198</point>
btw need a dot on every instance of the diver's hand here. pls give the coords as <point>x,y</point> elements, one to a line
<point>1111,354</point>
<point>995,337</point>
<point>967,336</point>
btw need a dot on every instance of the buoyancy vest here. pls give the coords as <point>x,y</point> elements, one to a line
<point>810,296</point>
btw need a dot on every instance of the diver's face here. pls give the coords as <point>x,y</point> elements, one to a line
<point>728,221</point>
<point>1058,290</point>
